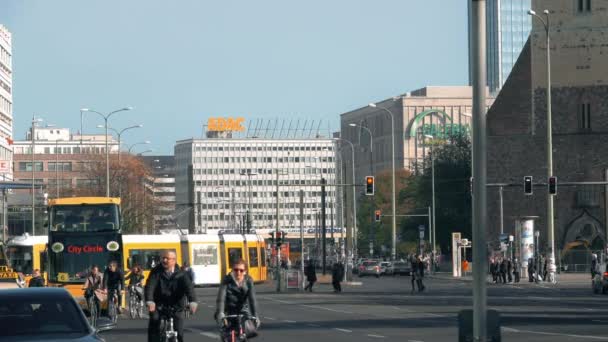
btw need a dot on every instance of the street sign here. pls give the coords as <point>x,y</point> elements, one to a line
<point>421,229</point>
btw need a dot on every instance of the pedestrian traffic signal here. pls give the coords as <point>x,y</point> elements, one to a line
<point>528,185</point>
<point>553,185</point>
<point>369,185</point>
<point>377,215</point>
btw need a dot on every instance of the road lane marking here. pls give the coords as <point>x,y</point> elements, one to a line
<point>376,336</point>
<point>288,321</point>
<point>328,309</point>
<point>599,321</point>
<point>313,325</point>
<point>278,300</point>
<point>343,330</point>
<point>204,333</point>
<point>590,337</point>
<point>270,318</point>
<point>414,341</point>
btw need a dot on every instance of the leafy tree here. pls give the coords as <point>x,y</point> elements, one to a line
<point>452,190</point>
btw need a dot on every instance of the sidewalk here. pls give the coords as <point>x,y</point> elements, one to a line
<point>571,278</point>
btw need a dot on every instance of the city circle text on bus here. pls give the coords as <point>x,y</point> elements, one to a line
<point>85,249</point>
<point>225,124</point>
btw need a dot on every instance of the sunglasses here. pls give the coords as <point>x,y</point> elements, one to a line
<point>239,270</point>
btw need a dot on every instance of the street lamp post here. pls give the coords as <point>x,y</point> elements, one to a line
<point>354,233</point>
<point>147,142</point>
<point>118,136</point>
<point>550,224</point>
<point>394,201</point>
<point>433,223</point>
<point>371,173</point>
<point>248,223</point>
<point>33,132</point>
<point>105,118</point>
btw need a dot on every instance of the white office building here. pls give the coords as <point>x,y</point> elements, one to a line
<point>6,102</point>
<point>218,180</point>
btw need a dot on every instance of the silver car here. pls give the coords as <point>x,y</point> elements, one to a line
<point>370,268</point>
<point>386,268</point>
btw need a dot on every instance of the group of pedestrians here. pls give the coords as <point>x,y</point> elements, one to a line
<point>417,272</point>
<point>337,275</point>
<point>537,269</point>
<point>504,270</point>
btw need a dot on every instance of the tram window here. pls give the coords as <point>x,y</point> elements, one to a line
<point>234,254</point>
<point>253,257</point>
<point>263,257</point>
<point>145,258</point>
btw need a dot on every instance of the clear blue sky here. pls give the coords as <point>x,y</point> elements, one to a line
<point>180,62</point>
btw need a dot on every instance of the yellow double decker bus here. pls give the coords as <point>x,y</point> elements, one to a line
<point>83,231</point>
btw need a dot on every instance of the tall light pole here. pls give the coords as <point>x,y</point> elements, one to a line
<point>433,223</point>
<point>33,132</point>
<point>147,142</point>
<point>550,223</point>
<point>354,234</point>
<point>371,146</point>
<point>119,135</point>
<point>394,201</point>
<point>105,118</point>
<point>249,174</point>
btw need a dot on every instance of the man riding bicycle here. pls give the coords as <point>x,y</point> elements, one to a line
<point>166,287</point>
<point>114,282</point>
<point>236,296</point>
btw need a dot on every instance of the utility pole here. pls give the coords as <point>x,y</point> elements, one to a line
<point>278,266</point>
<point>323,226</point>
<point>302,236</point>
<point>479,81</point>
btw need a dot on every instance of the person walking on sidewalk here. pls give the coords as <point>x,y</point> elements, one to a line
<point>531,270</point>
<point>503,271</point>
<point>509,270</point>
<point>337,273</point>
<point>413,272</point>
<point>420,274</point>
<point>311,275</point>
<point>494,270</point>
<point>516,269</point>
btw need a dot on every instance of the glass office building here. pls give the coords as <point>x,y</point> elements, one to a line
<point>508,26</point>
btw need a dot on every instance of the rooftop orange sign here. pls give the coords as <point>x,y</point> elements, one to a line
<point>225,124</point>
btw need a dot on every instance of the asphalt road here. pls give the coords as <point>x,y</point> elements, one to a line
<point>384,309</point>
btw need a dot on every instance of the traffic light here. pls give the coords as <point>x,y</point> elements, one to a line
<point>528,185</point>
<point>369,185</point>
<point>377,215</point>
<point>271,238</point>
<point>280,236</point>
<point>553,185</point>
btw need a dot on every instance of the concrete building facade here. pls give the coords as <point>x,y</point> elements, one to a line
<point>6,101</point>
<point>218,180</point>
<point>161,186</point>
<point>517,130</point>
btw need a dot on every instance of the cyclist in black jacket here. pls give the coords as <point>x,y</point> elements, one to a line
<point>167,286</point>
<point>114,282</point>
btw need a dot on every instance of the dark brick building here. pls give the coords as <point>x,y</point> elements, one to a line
<point>517,132</point>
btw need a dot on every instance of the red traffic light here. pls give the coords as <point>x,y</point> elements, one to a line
<point>377,215</point>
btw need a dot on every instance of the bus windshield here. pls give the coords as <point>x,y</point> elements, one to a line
<point>84,218</point>
<point>72,255</point>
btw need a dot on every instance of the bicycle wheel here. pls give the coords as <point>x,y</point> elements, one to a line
<point>163,330</point>
<point>133,306</point>
<point>112,309</point>
<point>93,312</point>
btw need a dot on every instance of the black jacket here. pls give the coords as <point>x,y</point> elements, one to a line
<point>113,280</point>
<point>234,300</point>
<point>166,290</point>
<point>135,278</point>
<point>311,273</point>
<point>36,282</point>
<point>337,273</point>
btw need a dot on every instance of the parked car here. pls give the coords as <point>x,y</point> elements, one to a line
<point>386,268</point>
<point>401,268</point>
<point>39,314</point>
<point>370,268</point>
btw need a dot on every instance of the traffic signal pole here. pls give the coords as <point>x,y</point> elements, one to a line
<point>278,247</point>
<point>323,225</point>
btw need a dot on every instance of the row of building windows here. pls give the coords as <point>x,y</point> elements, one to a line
<point>63,150</point>
<point>583,6</point>
<point>294,218</point>
<point>257,182</point>
<point>262,148</point>
<point>293,171</point>
<point>263,159</point>
<point>67,182</point>
<point>256,194</point>
<point>6,106</point>
<point>5,57</point>
<point>5,86</point>
<point>51,166</point>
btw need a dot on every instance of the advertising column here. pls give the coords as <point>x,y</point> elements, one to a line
<point>526,224</point>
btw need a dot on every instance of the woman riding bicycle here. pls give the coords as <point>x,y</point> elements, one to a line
<point>136,281</point>
<point>114,282</point>
<point>93,282</point>
<point>236,296</point>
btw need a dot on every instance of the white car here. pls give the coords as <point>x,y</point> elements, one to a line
<point>386,268</point>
